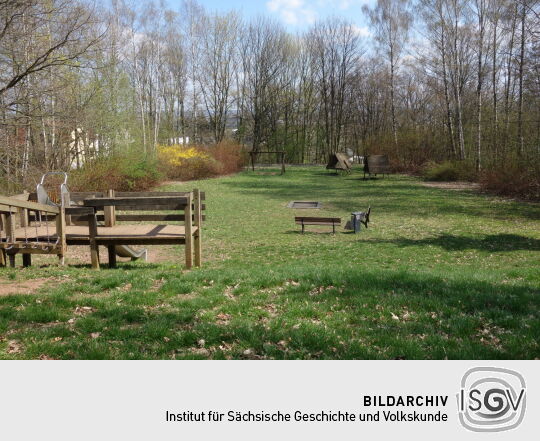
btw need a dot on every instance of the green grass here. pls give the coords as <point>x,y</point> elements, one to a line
<point>439,274</point>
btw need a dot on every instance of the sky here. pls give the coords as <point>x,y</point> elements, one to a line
<point>296,15</point>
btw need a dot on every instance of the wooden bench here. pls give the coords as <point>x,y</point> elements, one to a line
<point>304,220</point>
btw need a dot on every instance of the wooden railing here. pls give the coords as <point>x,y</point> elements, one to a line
<point>13,207</point>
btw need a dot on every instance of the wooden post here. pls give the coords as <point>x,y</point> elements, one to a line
<point>112,256</point>
<point>10,234</point>
<point>282,163</point>
<point>10,227</point>
<point>27,260</point>
<point>3,256</point>
<point>252,154</point>
<point>110,212</point>
<point>61,233</point>
<point>188,213</point>
<point>24,217</point>
<point>93,231</point>
<point>198,223</point>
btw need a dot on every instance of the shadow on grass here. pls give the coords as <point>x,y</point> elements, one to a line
<point>124,266</point>
<point>490,243</point>
<point>351,317</point>
<point>393,194</point>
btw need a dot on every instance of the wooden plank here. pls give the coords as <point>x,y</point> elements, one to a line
<point>83,220</point>
<point>140,207</point>
<point>135,201</point>
<point>306,219</point>
<point>8,209</point>
<point>144,207</point>
<point>152,217</point>
<point>82,195</point>
<point>197,221</point>
<point>21,197</point>
<point>27,204</point>
<point>189,233</point>
<point>118,231</point>
<point>27,249</point>
<point>135,240</point>
<point>79,211</point>
<point>121,194</point>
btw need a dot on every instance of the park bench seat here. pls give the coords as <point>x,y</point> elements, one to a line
<point>330,221</point>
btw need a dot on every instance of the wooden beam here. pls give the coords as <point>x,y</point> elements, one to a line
<point>122,194</point>
<point>30,205</point>
<point>22,197</point>
<point>112,255</point>
<point>7,209</point>
<point>79,211</point>
<point>134,201</point>
<point>94,250</point>
<point>108,211</point>
<point>198,223</point>
<point>152,217</point>
<point>61,234</point>
<point>189,232</point>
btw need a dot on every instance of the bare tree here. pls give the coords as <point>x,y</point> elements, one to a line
<point>391,20</point>
<point>335,50</point>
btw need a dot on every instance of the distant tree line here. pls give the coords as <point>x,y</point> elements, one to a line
<point>453,80</point>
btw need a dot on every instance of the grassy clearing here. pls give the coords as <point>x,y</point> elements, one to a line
<point>439,274</point>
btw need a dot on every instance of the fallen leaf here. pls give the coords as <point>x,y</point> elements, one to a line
<point>14,347</point>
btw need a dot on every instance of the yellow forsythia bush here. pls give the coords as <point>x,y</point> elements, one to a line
<point>185,162</point>
<point>175,155</point>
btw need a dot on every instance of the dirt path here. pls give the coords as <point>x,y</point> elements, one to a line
<point>458,185</point>
<point>8,288</point>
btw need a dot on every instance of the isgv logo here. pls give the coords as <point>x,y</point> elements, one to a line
<point>491,399</point>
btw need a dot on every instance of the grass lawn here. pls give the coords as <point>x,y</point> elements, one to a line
<point>439,274</point>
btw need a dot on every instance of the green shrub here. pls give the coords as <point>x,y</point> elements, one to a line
<point>129,172</point>
<point>449,171</point>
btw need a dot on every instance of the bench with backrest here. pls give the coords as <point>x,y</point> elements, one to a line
<point>330,221</point>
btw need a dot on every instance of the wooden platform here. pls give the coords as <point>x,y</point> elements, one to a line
<point>128,234</point>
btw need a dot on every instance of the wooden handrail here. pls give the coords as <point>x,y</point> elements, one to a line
<point>134,201</point>
<point>11,202</point>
